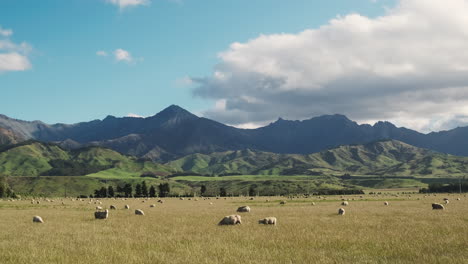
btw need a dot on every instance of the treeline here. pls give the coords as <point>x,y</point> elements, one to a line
<point>72,168</point>
<point>127,190</point>
<point>445,188</point>
<point>338,192</point>
<point>5,190</point>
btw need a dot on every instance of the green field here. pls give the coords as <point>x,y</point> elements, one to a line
<point>186,231</point>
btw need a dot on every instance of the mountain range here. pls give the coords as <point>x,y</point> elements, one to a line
<point>174,133</point>
<point>380,158</point>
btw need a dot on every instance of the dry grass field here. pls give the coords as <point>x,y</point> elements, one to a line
<point>406,231</point>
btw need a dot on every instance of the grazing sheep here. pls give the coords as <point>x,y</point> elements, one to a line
<point>458,199</point>
<point>153,205</point>
<point>160,201</point>
<point>345,203</point>
<point>436,206</point>
<point>243,209</point>
<point>38,219</point>
<point>112,207</point>
<point>251,199</point>
<point>98,208</point>
<point>313,203</point>
<point>101,215</point>
<point>385,203</point>
<point>446,201</point>
<point>127,206</point>
<point>231,220</point>
<point>341,211</point>
<point>268,221</point>
<point>181,198</point>
<point>139,212</point>
<point>283,202</point>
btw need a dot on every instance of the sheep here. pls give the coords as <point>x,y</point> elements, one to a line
<point>313,203</point>
<point>446,201</point>
<point>345,203</point>
<point>112,207</point>
<point>153,205</point>
<point>98,208</point>
<point>385,203</point>
<point>458,199</point>
<point>436,206</point>
<point>139,212</point>
<point>101,214</point>
<point>243,209</point>
<point>231,220</point>
<point>38,219</point>
<point>181,198</point>
<point>341,211</point>
<point>160,201</point>
<point>268,221</point>
<point>127,206</point>
<point>283,202</point>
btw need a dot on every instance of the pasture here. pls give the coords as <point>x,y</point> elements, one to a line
<point>186,231</point>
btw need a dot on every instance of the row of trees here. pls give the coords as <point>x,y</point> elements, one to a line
<point>253,191</point>
<point>445,188</point>
<point>141,190</point>
<point>5,190</point>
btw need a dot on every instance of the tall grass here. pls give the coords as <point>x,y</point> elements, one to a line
<point>406,231</point>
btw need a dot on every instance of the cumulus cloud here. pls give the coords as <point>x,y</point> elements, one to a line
<point>408,66</point>
<point>134,115</point>
<point>123,55</point>
<point>13,57</point>
<point>128,3</point>
<point>5,32</point>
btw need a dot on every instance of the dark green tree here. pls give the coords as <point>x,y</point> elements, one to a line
<point>152,191</point>
<point>252,190</point>
<point>144,189</point>
<point>3,187</point>
<point>128,190</point>
<point>164,189</point>
<point>110,191</point>
<point>222,192</point>
<point>202,190</point>
<point>138,192</point>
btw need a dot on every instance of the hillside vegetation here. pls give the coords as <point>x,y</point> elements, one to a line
<point>33,158</point>
<point>381,158</point>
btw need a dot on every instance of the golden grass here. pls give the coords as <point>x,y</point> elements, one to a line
<point>407,231</point>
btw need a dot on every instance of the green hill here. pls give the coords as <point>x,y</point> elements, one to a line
<point>382,158</point>
<point>33,158</point>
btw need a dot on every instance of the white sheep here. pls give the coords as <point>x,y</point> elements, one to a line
<point>341,211</point>
<point>231,220</point>
<point>268,221</point>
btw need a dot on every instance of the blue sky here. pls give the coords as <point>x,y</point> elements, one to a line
<point>168,41</point>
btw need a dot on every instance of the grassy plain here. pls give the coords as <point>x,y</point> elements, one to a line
<point>186,231</point>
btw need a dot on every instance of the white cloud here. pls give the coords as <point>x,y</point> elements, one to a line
<point>128,3</point>
<point>101,53</point>
<point>123,55</point>
<point>13,57</point>
<point>5,32</point>
<point>408,66</point>
<point>134,115</point>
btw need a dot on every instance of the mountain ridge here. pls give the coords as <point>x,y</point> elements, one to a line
<point>175,132</point>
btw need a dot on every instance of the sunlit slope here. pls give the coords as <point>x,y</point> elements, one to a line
<point>387,158</point>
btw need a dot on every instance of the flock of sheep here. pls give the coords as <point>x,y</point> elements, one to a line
<point>227,220</point>
<point>237,220</point>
